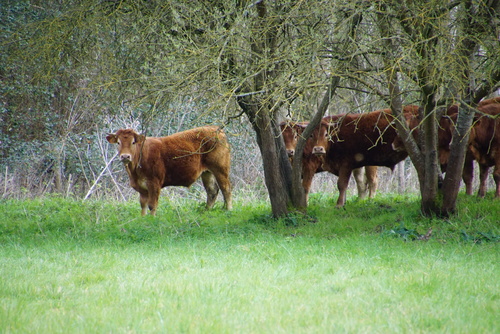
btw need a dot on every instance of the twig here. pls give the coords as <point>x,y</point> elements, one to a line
<point>99,177</point>
<point>69,185</point>
<point>5,181</point>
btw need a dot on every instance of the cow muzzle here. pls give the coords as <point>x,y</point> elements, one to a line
<point>290,153</point>
<point>319,150</point>
<point>125,158</point>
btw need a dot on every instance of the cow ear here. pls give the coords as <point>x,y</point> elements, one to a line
<point>302,126</point>
<point>299,129</point>
<point>111,138</point>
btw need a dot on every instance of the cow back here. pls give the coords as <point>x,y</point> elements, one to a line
<point>179,159</point>
<point>362,140</point>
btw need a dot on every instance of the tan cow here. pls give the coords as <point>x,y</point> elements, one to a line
<point>177,160</point>
<point>366,178</point>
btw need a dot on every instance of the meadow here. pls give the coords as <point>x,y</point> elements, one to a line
<point>98,267</point>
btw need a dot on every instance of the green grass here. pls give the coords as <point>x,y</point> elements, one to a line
<point>98,267</point>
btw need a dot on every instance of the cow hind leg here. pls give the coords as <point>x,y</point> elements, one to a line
<point>226,192</point>
<point>359,177</point>
<point>211,187</point>
<point>342,184</point>
<point>372,179</point>
<point>222,177</point>
<point>483,177</point>
<point>468,175</point>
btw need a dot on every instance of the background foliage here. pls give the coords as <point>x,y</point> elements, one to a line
<point>72,71</point>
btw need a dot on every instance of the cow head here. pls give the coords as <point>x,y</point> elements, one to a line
<point>291,132</point>
<point>445,137</point>
<point>413,121</point>
<point>290,136</point>
<point>321,136</point>
<point>129,144</point>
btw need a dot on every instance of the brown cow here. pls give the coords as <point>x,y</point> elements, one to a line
<point>177,160</point>
<point>311,164</point>
<point>291,131</point>
<point>483,146</point>
<point>352,141</point>
<point>489,101</point>
<point>445,135</point>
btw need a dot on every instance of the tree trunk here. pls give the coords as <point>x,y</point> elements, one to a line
<point>401,170</point>
<point>423,156</point>
<point>299,199</point>
<point>429,186</point>
<point>263,117</point>
<point>458,148</point>
<point>466,48</point>
<point>58,166</point>
<point>274,158</point>
<point>276,181</point>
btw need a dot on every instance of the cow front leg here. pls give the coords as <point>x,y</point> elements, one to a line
<point>143,199</point>
<point>153,196</point>
<point>342,184</point>
<point>307,177</point>
<point>468,175</point>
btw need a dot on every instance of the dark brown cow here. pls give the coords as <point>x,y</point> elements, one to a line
<point>483,146</point>
<point>311,164</point>
<point>352,141</point>
<point>489,101</point>
<point>445,135</point>
<point>177,160</point>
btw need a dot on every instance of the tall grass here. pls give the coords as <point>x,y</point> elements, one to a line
<point>94,267</point>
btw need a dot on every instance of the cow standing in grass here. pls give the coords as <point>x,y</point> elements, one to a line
<point>350,141</point>
<point>177,160</point>
<point>483,145</point>
<point>366,178</point>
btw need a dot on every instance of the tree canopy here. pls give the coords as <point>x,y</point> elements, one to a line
<point>77,61</point>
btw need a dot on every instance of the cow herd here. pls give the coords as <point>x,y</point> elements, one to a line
<point>342,145</point>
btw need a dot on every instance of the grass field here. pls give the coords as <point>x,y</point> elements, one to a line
<point>68,266</point>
